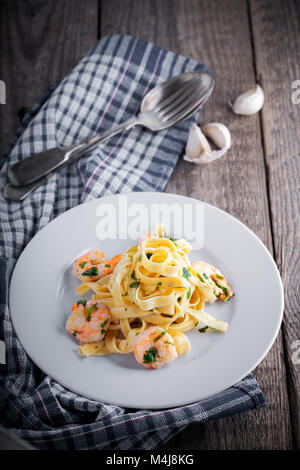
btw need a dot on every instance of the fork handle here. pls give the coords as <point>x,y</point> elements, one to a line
<point>34,168</point>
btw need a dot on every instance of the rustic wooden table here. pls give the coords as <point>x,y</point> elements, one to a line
<point>243,42</point>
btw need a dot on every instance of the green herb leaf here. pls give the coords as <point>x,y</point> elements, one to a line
<point>186,273</point>
<point>107,265</point>
<point>168,342</point>
<point>224,289</point>
<point>82,302</point>
<point>219,276</point>
<point>173,240</point>
<point>206,276</point>
<point>202,330</point>
<point>188,294</point>
<point>134,284</point>
<point>103,331</point>
<point>150,356</point>
<point>159,284</point>
<point>89,310</point>
<point>227,293</point>
<point>179,299</point>
<point>82,265</point>
<point>140,258</point>
<point>200,277</point>
<point>159,336</point>
<point>133,275</point>
<point>90,272</point>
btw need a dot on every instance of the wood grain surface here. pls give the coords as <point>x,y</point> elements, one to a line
<point>276,31</point>
<point>257,180</point>
<point>41,41</point>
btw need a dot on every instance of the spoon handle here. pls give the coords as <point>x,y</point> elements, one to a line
<point>34,168</point>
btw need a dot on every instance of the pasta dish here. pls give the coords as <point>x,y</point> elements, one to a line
<point>145,300</point>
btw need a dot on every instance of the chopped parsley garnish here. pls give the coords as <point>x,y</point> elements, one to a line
<point>82,265</point>
<point>89,310</point>
<point>81,302</point>
<point>134,284</point>
<point>124,295</point>
<point>90,272</point>
<point>188,294</point>
<point>140,258</point>
<point>172,240</point>
<point>75,333</point>
<point>200,277</point>
<point>168,342</point>
<point>133,275</point>
<point>186,273</point>
<point>224,289</point>
<point>159,284</point>
<point>159,336</point>
<point>107,265</point>
<point>150,356</point>
<point>227,293</point>
<point>179,299</point>
<point>218,285</point>
<point>149,255</point>
<point>103,331</point>
<point>219,276</point>
<point>202,330</point>
<point>206,276</point>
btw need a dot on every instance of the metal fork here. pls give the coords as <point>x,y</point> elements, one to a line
<point>164,106</point>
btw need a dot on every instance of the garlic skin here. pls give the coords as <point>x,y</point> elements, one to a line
<point>198,149</point>
<point>249,102</point>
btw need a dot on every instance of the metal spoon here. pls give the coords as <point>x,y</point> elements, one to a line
<point>164,106</point>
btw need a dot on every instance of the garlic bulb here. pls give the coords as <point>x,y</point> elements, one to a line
<point>249,102</point>
<point>198,149</point>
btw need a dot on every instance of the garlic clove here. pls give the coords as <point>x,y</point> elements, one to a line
<point>219,134</point>
<point>249,102</point>
<point>198,149</point>
<point>196,143</point>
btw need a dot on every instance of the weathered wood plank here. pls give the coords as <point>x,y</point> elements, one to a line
<point>217,33</point>
<point>276,27</point>
<point>41,41</point>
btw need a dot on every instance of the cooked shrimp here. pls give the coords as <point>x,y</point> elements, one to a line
<point>154,347</point>
<point>92,266</point>
<point>205,269</point>
<point>89,321</point>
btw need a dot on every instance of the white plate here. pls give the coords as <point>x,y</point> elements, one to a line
<point>42,291</point>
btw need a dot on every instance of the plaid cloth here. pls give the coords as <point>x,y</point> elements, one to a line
<point>104,89</point>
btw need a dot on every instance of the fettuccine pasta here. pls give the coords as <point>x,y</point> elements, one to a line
<point>150,296</point>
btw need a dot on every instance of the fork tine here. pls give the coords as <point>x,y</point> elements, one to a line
<point>182,98</point>
<point>175,95</point>
<point>185,104</point>
<point>184,111</point>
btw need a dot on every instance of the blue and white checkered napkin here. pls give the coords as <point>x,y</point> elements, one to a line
<point>104,89</point>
